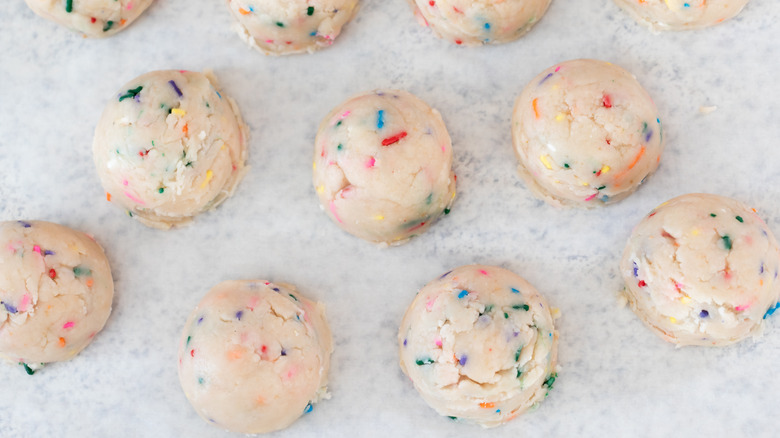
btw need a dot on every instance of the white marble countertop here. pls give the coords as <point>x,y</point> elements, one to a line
<point>617,378</point>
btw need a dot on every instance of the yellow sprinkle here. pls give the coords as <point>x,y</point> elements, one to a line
<point>673,319</point>
<point>453,194</point>
<point>605,169</point>
<point>314,165</point>
<point>584,183</point>
<point>556,313</point>
<point>209,175</point>
<point>695,231</point>
<point>560,117</point>
<point>223,147</point>
<point>320,189</point>
<point>379,217</point>
<point>178,112</point>
<point>545,162</point>
<point>685,300</point>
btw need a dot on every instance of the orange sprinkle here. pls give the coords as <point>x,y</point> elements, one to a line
<point>260,400</point>
<point>185,129</point>
<point>235,354</point>
<point>637,158</point>
<point>536,107</point>
<point>108,197</point>
<point>487,405</point>
<point>243,11</point>
<point>90,282</point>
<point>122,22</point>
<point>62,342</point>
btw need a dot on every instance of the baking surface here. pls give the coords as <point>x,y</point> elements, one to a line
<point>617,378</point>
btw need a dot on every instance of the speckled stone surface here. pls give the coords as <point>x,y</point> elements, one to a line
<point>617,378</point>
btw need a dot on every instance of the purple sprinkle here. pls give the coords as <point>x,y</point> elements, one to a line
<point>446,274</point>
<point>239,314</point>
<point>25,224</point>
<point>649,135</point>
<point>200,320</point>
<point>276,289</point>
<point>704,314</point>
<point>9,308</point>
<point>549,75</point>
<point>762,268</point>
<point>404,342</point>
<point>284,352</point>
<point>48,252</point>
<point>636,270</point>
<point>514,334</point>
<point>173,84</point>
<point>463,360</point>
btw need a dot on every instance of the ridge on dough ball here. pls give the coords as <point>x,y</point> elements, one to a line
<point>56,291</point>
<point>254,356</point>
<point>284,27</point>
<point>479,345</point>
<point>474,23</point>
<point>702,269</point>
<point>170,146</point>
<point>585,134</point>
<point>382,166</point>
<point>91,18</point>
<point>681,14</point>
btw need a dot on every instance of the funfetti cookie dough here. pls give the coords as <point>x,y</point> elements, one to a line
<point>702,270</point>
<point>479,345</point>
<point>254,356</point>
<point>383,166</point>
<point>585,134</point>
<point>474,23</point>
<point>92,18</point>
<point>681,14</point>
<point>283,27</point>
<point>170,146</point>
<point>55,292</point>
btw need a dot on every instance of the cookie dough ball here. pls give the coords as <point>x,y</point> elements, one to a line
<point>254,356</point>
<point>702,270</point>
<point>479,345</point>
<point>585,134</point>
<point>55,292</point>
<point>473,23</point>
<point>383,166</point>
<point>283,27</point>
<point>170,146</point>
<point>92,18</point>
<point>681,14</point>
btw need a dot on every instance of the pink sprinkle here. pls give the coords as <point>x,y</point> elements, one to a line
<point>68,325</point>
<point>37,249</point>
<point>370,163</point>
<point>333,210</point>
<point>557,68</point>
<point>130,6</point>
<point>743,307</point>
<point>134,199</point>
<point>252,303</point>
<point>124,182</point>
<point>591,197</point>
<point>24,303</point>
<point>483,272</point>
<point>429,303</point>
<point>442,148</point>
<point>438,342</point>
<point>269,41</point>
<point>344,116</point>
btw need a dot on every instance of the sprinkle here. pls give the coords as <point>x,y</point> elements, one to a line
<point>518,353</point>
<point>131,93</point>
<point>591,197</point>
<point>280,24</point>
<point>521,306</point>
<point>549,75</point>
<point>69,6</point>
<point>175,88</point>
<point>284,352</point>
<point>743,307</point>
<point>487,405</point>
<point>536,107</point>
<point>332,206</point>
<point>550,381</point>
<point>9,308</point>
<point>739,218</point>
<point>239,314</point>
<point>61,342</point>
<point>108,197</point>
<point>243,11</point>
<point>379,217</point>
<point>291,295</point>
<point>636,270</point>
<point>200,380</point>
<point>80,270</point>
<point>189,338</point>
<point>447,210</point>
<point>606,101</point>
<point>426,361</point>
<point>380,119</point>
<point>642,283</point>
<point>506,315</point>
<point>487,25</point>
<point>515,291</point>
<point>308,408</point>
<point>560,117</point>
<point>27,369</point>
<point>52,273</point>
<point>370,162</point>
<point>24,224</point>
<point>771,310</point>
<point>726,242</point>
<point>178,111</point>
<point>713,215</point>
<point>161,190</point>
<point>704,314</point>
<point>68,325</point>
<point>603,170</point>
<point>463,293</point>
<point>394,139</point>
<point>636,159</point>
<point>310,11</point>
<point>320,189</point>
<point>209,175</point>
<point>543,159</point>
<point>108,26</point>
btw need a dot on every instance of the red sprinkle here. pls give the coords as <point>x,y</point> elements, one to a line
<point>264,349</point>
<point>458,42</point>
<point>642,283</point>
<point>606,101</point>
<point>431,2</point>
<point>192,353</point>
<point>52,274</point>
<point>143,153</point>
<point>394,139</point>
<point>93,19</point>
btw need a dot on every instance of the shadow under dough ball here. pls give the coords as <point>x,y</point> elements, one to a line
<point>92,18</point>
<point>702,270</point>
<point>170,146</point>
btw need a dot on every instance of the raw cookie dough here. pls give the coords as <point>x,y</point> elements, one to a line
<point>479,345</point>
<point>55,292</point>
<point>254,356</point>
<point>170,146</point>
<point>92,18</point>
<point>473,23</point>
<point>702,270</point>
<point>283,27</point>
<point>585,134</point>
<point>681,14</point>
<point>383,166</point>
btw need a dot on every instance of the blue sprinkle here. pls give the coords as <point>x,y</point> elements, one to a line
<point>220,96</point>
<point>549,75</point>
<point>308,408</point>
<point>498,411</point>
<point>463,359</point>
<point>48,252</point>
<point>636,270</point>
<point>251,9</point>
<point>771,310</point>
<point>25,224</point>
<point>239,314</point>
<point>175,87</point>
<point>284,352</point>
<point>515,291</point>
<point>487,25</point>
<point>9,308</point>
<point>686,5</point>
<point>313,33</point>
<point>276,289</point>
<point>463,293</point>
<point>380,119</point>
<point>604,198</point>
<point>704,314</point>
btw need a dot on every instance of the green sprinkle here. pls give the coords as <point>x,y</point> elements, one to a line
<point>131,93</point>
<point>488,308</point>
<point>726,242</point>
<point>280,24</point>
<point>601,188</point>
<point>426,361</point>
<point>152,143</point>
<point>447,211</point>
<point>338,123</point>
<point>108,26</point>
<point>161,189</point>
<point>200,380</point>
<point>340,147</point>
<point>189,164</point>
<point>79,270</point>
<point>517,354</point>
<point>521,306</point>
<point>519,373</point>
<point>452,418</point>
<point>129,213</point>
<point>566,165</point>
<point>429,199</point>
<point>69,6</point>
<point>739,218</point>
<point>293,297</point>
<point>29,370</point>
<point>506,315</point>
<point>713,214</point>
<point>189,338</point>
<point>310,11</point>
<point>550,381</point>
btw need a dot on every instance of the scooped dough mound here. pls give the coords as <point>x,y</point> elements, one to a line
<point>702,270</point>
<point>585,134</point>
<point>254,356</point>
<point>170,146</point>
<point>383,166</point>
<point>282,27</point>
<point>479,345</point>
<point>55,292</point>
<point>681,14</point>
<point>92,18</point>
